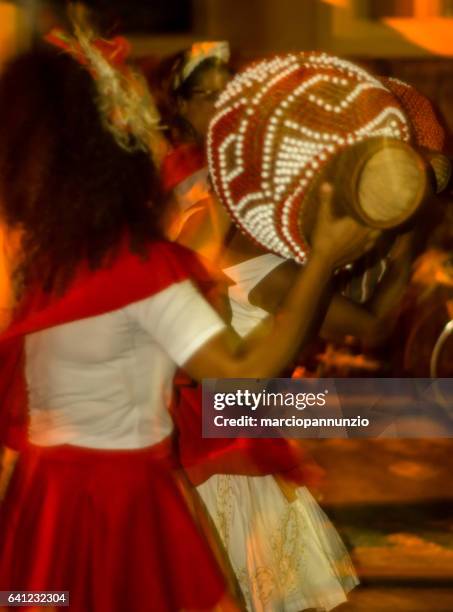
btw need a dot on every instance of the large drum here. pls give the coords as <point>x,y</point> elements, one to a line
<point>286,124</point>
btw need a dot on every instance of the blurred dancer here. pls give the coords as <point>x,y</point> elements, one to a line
<point>105,311</point>
<point>189,85</point>
<point>283,549</point>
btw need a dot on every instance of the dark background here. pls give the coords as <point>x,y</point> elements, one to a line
<point>133,16</point>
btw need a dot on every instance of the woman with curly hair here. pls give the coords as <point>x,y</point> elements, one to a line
<point>105,311</point>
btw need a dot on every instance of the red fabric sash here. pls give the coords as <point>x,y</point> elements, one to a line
<point>13,396</point>
<point>204,457</point>
<point>180,163</point>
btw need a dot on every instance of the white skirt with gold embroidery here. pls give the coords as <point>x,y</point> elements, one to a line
<point>287,556</point>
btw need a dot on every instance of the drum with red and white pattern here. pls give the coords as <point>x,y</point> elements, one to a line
<point>286,124</point>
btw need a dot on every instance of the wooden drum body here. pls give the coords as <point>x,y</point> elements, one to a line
<point>286,124</point>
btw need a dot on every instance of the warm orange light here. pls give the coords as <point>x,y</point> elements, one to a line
<point>424,9</point>
<point>8,30</point>
<point>10,242</point>
<point>434,34</point>
<point>338,3</point>
<point>421,8</point>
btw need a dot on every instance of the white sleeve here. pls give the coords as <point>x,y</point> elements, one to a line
<point>178,318</point>
<point>250,272</point>
<point>246,275</point>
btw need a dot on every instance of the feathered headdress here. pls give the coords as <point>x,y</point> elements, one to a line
<point>125,103</point>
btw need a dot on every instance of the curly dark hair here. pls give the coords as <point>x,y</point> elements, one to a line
<point>63,179</point>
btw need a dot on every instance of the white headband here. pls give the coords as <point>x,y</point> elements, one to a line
<point>198,53</point>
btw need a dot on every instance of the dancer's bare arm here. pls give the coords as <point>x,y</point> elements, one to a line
<point>371,323</point>
<point>334,242</point>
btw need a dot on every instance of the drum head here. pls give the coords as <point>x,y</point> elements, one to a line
<point>391,185</point>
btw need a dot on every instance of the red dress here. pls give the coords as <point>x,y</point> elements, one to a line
<point>119,529</point>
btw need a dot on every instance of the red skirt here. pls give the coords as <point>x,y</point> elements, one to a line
<point>111,527</point>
